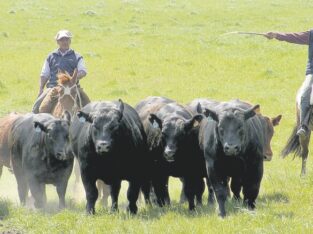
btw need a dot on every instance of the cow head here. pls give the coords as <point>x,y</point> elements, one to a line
<point>56,136</point>
<point>105,127</point>
<point>231,128</point>
<point>174,131</point>
<point>268,127</point>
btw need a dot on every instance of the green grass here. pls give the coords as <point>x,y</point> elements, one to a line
<point>134,49</point>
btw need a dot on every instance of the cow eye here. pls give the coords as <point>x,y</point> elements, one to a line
<point>95,126</point>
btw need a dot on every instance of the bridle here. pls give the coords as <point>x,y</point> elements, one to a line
<point>67,92</point>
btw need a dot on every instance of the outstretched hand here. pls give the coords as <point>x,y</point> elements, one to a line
<point>270,35</point>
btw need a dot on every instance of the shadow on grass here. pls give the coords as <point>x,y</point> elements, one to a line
<point>151,212</point>
<point>4,208</point>
<point>273,198</point>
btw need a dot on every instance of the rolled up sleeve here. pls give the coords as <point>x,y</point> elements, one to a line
<point>301,38</point>
<point>45,71</point>
<point>81,63</point>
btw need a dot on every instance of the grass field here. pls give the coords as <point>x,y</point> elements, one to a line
<point>134,49</point>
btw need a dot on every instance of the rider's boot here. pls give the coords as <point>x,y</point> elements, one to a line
<point>304,120</point>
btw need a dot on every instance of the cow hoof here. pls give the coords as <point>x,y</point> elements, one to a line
<point>237,198</point>
<point>114,210</point>
<point>251,207</point>
<point>222,215</point>
<point>132,210</point>
<point>91,212</point>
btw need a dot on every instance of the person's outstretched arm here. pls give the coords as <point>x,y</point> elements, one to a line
<point>301,38</point>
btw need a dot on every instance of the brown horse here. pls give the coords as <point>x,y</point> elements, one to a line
<point>299,146</point>
<point>66,96</point>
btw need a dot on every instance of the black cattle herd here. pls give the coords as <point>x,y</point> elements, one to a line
<point>221,143</point>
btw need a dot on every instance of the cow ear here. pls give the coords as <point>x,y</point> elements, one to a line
<point>210,113</point>
<point>193,122</point>
<point>121,109</point>
<point>39,127</point>
<point>66,116</point>
<point>199,108</point>
<point>84,117</point>
<point>155,121</point>
<point>276,120</point>
<point>252,112</point>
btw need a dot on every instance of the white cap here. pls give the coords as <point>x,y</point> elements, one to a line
<point>63,33</point>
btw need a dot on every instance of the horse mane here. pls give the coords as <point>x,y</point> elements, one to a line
<point>63,78</point>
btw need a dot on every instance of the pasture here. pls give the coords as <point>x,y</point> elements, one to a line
<point>134,49</point>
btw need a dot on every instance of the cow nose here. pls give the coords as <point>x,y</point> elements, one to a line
<point>231,149</point>
<point>103,146</point>
<point>169,153</point>
<point>60,155</point>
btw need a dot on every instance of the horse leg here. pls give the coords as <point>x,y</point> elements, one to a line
<point>304,142</point>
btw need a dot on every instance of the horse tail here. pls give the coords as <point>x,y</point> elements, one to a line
<point>293,144</point>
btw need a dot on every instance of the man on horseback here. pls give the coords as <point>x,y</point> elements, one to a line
<point>304,99</point>
<point>62,59</point>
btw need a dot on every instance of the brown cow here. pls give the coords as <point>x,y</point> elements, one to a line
<point>5,126</point>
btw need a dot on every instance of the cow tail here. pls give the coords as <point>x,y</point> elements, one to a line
<point>293,145</point>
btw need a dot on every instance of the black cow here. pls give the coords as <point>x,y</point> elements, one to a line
<point>110,143</point>
<point>233,144</point>
<point>40,155</point>
<point>267,124</point>
<point>172,140</point>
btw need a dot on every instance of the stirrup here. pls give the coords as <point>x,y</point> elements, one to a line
<point>302,131</point>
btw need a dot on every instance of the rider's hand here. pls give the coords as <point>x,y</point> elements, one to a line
<point>270,35</point>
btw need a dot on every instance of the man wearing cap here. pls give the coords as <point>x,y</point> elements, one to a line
<point>64,59</point>
<point>304,94</point>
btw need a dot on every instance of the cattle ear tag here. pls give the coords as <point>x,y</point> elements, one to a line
<point>155,124</point>
<point>82,119</point>
<point>37,129</point>
<point>196,124</point>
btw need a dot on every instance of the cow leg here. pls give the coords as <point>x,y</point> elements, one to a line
<point>38,192</point>
<point>304,142</point>
<point>167,198</point>
<point>189,190</point>
<point>251,183</point>
<point>219,184</point>
<point>91,191</point>
<point>235,185</point>
<point>61,190</point>
<point>211,198</point>
<point>132,196</point>
<point>115,191</point>
<point>160,186</point>
<point>146,189</point>
<point>199,190</point>
<point>22,185</point>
